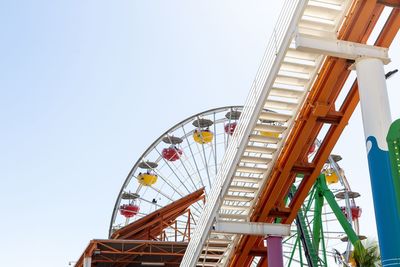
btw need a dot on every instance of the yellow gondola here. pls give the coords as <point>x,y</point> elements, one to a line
<point>203,136</point>
<point>147,179</point>
<point>331,177</point>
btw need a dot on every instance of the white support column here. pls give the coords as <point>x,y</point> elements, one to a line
<point>253,228</point>
<point>374,99</point>
<point>377,119</point>
<point>87,262</point>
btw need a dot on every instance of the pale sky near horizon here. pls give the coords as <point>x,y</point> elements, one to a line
<point>86,86</point>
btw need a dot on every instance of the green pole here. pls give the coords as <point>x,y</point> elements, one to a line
<point>393,141</point>
<point>330,198</point>
<point>324,247</point>
<point>317,222</point>
<point>294,249</point>
<point>300,252</point>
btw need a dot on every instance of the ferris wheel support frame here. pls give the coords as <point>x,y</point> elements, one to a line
<point>311,243</point>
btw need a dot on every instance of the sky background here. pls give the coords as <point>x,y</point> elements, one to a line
<point>87,85</point>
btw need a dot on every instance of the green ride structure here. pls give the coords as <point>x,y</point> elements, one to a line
<point>323,225</point>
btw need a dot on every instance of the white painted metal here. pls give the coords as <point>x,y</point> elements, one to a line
<point>238,198</point>
<point>246,189</point>
<point>264,139</point>
<point>265,115</point>
<point>246,169</point>
<point>252,228</point>
<point>339,48</point>
<point>260,160</point>
<point>374,99</point>
<point>232,216</point>
<point>269,128</point>
<point>260,149</point>
<point>245,179</point>
<point>284,92</point>
<point>280,105</point>
<point>87,262</point>
<point>277,94</point>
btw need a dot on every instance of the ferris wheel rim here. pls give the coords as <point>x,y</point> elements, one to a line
<point>152,146</point>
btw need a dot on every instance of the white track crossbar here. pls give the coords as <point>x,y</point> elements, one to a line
<point>252,228</point>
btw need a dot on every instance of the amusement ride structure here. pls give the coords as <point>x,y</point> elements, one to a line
<point>255,185</point>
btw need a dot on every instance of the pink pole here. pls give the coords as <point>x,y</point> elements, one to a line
<point>274,248</point>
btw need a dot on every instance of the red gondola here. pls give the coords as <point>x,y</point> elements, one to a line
<point>230,127</point>
<point>355,212</point>
<point>312,149</point>
<point>129,210</point>
<point>171,153</point>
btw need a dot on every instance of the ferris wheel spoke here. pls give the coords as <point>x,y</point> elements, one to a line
<point>215,145</point>
<point>193,157</point>
<point>150,202</point>
<point>166,196</point>
<point>188,174</point>
<point>175,189</point>
<point>206,165</point>
<point>161,193</point>
<point>139,187</point>
<point>176,175</point>
<point>193,173</point>
<point>213,157</point>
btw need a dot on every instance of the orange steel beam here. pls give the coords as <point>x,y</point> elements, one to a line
<point>141,231</point>
<point>319,105</point>
<point>122,252</point>
<point>263,262</point>
<point>153,224</point>
<point>391,3</point>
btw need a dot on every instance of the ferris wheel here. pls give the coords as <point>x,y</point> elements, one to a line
<point>186,158</point>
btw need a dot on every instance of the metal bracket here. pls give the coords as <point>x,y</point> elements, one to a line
<point>339,48</point>
<point>252,228</point>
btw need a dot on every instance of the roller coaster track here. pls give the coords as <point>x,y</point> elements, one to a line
<point>302,88</point>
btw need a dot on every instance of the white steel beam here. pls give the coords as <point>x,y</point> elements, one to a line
<point>252,228</point>
<point>339,48</point>
<point>87,261</point>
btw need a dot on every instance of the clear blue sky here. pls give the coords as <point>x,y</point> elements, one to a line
<point>86,86</point>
